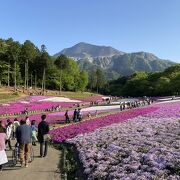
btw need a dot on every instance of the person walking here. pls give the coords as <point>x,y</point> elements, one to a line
<point>15,125</point>
<point>79,115</point>
<point>2,126</point>
<point>67,120</point>
<point>34,133</point>
<point>28,122</point>
<point>96,113</point>
<point>75,115</point>
<point>23,135</point>
<point>43,130</point>
<point>89,115</point>
<point>26,111</point>
<point>9,134</point>
<point>3,156</point>
<point>121,107</point>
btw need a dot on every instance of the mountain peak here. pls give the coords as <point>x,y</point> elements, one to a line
<point>86,50</point>
<point>81,43</point>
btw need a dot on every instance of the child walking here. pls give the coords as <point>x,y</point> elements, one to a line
<point>34,133</point>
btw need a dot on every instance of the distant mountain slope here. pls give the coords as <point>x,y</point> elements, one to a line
<point>114,62</point>
<point>141,61</point>
<point>83,50</point>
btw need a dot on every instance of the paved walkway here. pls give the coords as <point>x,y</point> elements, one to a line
<point>40,169</point>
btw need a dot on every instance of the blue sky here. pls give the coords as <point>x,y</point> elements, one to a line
<point>128,25</point>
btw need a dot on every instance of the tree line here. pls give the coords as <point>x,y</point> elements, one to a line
<point>146,84</point>
<point>26,65</point>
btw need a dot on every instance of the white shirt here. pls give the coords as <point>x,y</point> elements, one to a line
<point>8,131</point>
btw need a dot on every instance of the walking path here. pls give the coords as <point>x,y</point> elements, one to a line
<point>168,100</point>
<point>40,169</point>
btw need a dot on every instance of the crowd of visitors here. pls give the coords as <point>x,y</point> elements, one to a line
<point>77,116</point>
<point>134,104</point>
<point>27,112</point>
<point>26,134</point>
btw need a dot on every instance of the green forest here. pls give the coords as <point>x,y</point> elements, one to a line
<point>27,66</point>
<point>147,84</point>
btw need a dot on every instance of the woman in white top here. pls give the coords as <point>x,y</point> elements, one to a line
<point>15,125</point>
<point>3,155</point>
<point>9,134</point>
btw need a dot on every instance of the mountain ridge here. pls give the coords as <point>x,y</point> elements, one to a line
<point>83,50</point>
<point>111,60</point>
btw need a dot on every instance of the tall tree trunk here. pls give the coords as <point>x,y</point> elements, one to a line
<point>91,86</point>
<point>8,73</point>
<point>60,81</point>
<point>97,89</point>
<point>35,81</point>
<point>31,80</point>
<point>15,76</point>
<point>25,75</point>
<point>43,81</point>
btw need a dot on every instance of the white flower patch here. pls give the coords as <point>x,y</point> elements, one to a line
<point>98,108</point>
<point>24,102</point>
<point>168,101</point>
<point>59,99</point>
<point>105,97</point>
<point>124,101</point>
<point>4,104</point>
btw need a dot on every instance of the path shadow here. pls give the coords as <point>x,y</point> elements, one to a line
<point>11,166</point>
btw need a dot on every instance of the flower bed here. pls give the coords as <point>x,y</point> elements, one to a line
<point>146,147</point>
<point>34,103</point>
<point>166,110</point>
<point>143,148</point>
<point>37,117</point>
<point>63,133</point>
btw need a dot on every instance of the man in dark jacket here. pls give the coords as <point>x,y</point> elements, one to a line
<point>23,135</point>
<point>75,115</point>
<point>43,128</point>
